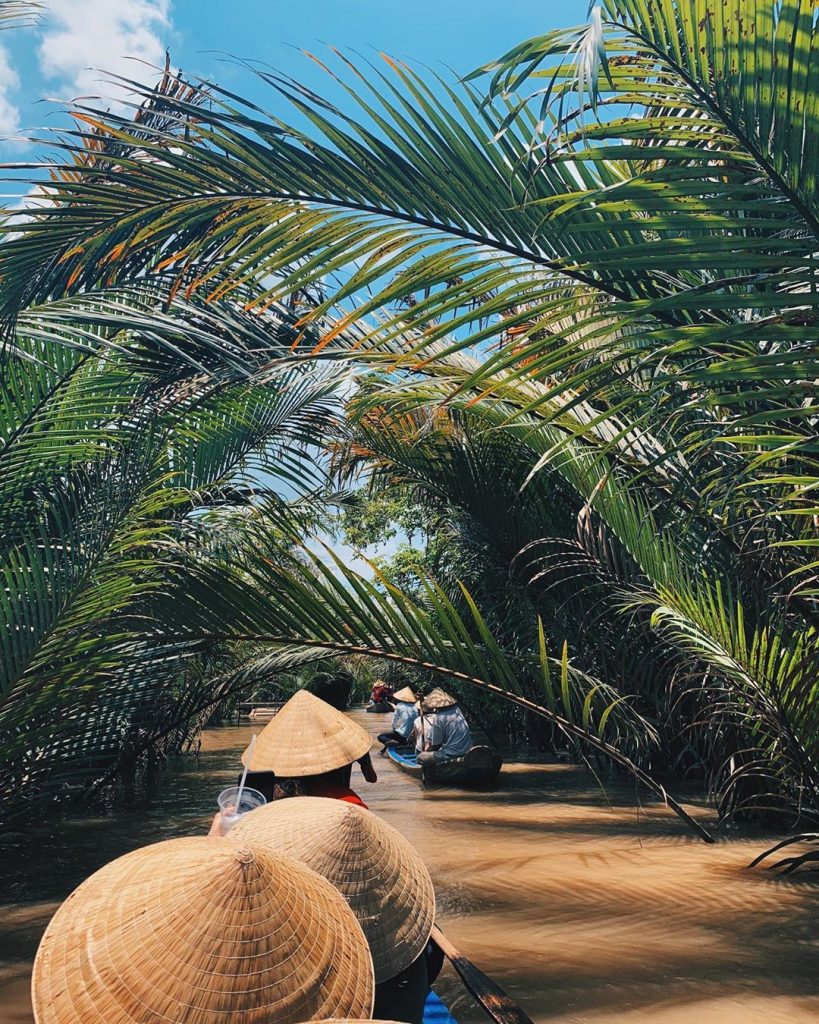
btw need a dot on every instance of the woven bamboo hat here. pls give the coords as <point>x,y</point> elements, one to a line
<point>307,737</point>
<point>382,876</point>
<point>202,930</point>
<point>406,695</point>
<point>438,700</point>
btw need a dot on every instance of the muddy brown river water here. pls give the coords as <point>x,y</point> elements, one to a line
<point>585,907</point>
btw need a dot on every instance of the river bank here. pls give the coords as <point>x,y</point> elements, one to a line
<point>584,910</point>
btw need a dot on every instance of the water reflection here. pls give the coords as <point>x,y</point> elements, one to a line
<point>585,912</point>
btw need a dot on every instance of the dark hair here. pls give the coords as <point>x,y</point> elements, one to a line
<point>273,787</point>
<point>284,788</point>
<point>263,781</point>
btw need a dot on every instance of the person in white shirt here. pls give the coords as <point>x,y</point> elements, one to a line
<point>449,735</point>
<point>426,735</point>
<point>403,719</point>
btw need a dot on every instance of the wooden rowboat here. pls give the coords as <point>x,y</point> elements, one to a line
<point>263,714</point>
<point>382,708</point>
<point>478,767</point>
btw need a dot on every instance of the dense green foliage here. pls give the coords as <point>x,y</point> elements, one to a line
<point>579,291</point>
<point>120,468</point>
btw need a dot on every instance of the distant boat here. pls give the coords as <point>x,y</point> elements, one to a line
<point>380,708</point>
<point>479,766</point>
<point>262,714</point>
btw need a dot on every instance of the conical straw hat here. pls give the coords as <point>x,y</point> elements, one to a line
<point>406,695</point>
<point>307,737</point>
<point>383,877</point>
<point>202,930</point>
<point>438,700</point>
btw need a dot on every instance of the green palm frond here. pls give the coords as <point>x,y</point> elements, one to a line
<point>707,310</point>
<point>113,449</point>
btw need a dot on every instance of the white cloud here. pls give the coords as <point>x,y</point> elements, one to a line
<point>9,114</point>
<point>81,38</point>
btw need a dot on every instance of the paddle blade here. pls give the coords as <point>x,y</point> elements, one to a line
<point>500,1007</point>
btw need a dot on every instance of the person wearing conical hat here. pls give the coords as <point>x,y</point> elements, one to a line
<point>381,692</point>
<point>308,749</point>
<point>403,719</point>
<point>380,874</point>
<point>449,736</point>
<point>192,930</point>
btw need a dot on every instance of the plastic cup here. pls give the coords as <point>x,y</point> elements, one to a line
<point>251,799</point>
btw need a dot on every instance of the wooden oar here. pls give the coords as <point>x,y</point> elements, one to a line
<point>493,999</point>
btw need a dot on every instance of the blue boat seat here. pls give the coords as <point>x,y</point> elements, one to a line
<point>435,1011</point>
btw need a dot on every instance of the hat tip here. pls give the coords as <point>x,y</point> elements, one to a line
<point>244,855</point>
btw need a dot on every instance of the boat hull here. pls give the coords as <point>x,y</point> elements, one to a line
<point>380,709</point>
<point>480,766</point>
<point>262,714</point>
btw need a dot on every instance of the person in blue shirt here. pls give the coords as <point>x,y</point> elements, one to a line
<point>450,733</point>
<point>403,719</point>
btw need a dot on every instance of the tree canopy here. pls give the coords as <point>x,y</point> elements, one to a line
<point>566,305</point>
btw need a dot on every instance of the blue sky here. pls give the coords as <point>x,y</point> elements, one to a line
<point>56,59</point>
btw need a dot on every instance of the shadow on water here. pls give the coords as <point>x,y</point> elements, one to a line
<point>586,907</point>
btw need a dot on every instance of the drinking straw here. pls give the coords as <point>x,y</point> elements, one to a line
<point>244,774</point>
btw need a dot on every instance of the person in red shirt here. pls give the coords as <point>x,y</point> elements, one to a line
<point>308,749</point>
<point>381,692</point>
<point>334,785</point>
